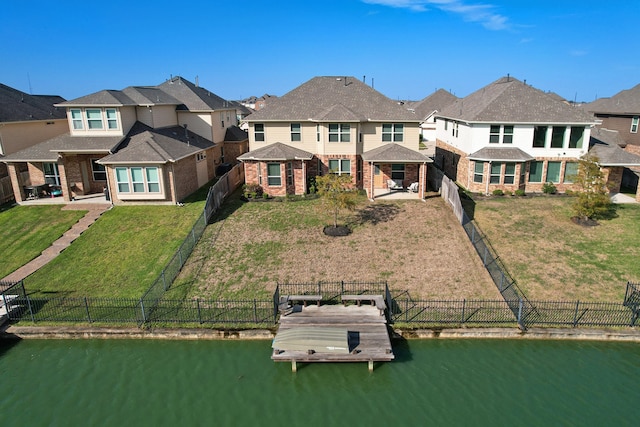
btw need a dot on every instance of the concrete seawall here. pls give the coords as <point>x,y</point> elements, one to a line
<point>51,332</point>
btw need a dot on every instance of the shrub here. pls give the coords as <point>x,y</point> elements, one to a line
<point>520,192</point>
<point>252,191</point>
<point>498,192</point>
<point>549,188</point>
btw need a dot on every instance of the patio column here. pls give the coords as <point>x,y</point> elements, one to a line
<point>371,178</point>
<point>304,177</point>
<point>16,182</point>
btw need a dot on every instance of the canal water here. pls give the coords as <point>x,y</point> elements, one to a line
<point>235,383</point>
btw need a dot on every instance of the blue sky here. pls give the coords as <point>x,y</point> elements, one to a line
<point>406,48</point>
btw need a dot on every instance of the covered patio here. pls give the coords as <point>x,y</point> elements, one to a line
<point>395,164</point>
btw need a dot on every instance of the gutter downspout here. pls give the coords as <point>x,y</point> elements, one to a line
<point>423,180</point>
<point>304,176</point>
<point>372,167</point>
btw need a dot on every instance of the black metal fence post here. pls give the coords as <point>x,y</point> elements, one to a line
<point>86,306</point>
<point>199,313</point>
<point>575,315</point>
<point>464,304</point>
<point>144,316</point>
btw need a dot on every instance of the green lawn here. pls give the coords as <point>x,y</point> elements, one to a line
<point>121,254</point>
<point>25,231</point>
<point>552,258</point>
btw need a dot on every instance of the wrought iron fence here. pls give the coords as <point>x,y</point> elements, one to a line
<point>435,313</point>
<point>331,291</point>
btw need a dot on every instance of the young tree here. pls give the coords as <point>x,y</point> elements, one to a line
<point>593,200</point>
<point>337,192</point>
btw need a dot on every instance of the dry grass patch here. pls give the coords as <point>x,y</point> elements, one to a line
<point>552,258</point>
<point>415,246</point>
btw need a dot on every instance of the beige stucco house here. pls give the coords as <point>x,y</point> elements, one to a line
<point>25,120</point>
<point>333,125</point>
<point>143,144</point>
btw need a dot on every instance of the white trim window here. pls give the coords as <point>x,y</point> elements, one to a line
<point>258,132</point>
<point>295,132</point>
<point>509,173</point>
<point>340,166</point>
<point>274,175</point>
<point>501,134</point>
<point>138,180</point>
<point>112,118</point>
<point>94,118</point>
<point>76,118</point>
<point>634,124</point>
<point>51,173</point>
<point>478,172</point>
<point>339,132</point>
<point>392,132</point>
<point>99,171</point>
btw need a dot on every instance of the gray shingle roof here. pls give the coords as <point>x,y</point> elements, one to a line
<point>108,98</point>
<point>332,98</point>
<point>624,102</point>
<point>393,152</point>
<point>47,151</point>
<point>508,100</point>
<point>276,152</point>
<point>17,106</point>
<point>235,134</point>
<point>195,98</point>
<point>147,145</point>
<point>604,144</point>
<point>501,154</point>
<point>437,101</point>
<point>145,95</point>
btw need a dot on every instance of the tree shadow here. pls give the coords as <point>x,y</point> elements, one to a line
<point>375,214</point>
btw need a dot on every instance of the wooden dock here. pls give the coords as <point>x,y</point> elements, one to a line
<point>368,337</point>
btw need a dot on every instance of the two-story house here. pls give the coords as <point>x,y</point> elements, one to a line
<point>509,136</point>
<point>620,113</point>
<point>154,144</point>
<point>25,120</point>
<point>426,109</point>
<point>333,125</point>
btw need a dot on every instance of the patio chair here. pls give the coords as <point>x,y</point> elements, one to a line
<point>413,187</point>
<point>394,184</point>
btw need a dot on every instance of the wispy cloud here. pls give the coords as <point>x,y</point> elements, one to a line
<point>482,13</point>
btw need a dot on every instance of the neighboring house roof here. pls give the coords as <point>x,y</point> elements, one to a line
<point>393,152</point>
<point>194,98</point>
<point>235,134</point>
<point>17,106</point>
<point>607,136</point>
<point>144,144</point>
<point>508,100</point>
<point>47,151</point>
<point>243,110</point>
<point>332,98</point>
<point>175,91</point>
<point>437,101</point>
<point>276,152</point>
<point>609,153</point>
<point>624,102</point>
<point>500,154</point>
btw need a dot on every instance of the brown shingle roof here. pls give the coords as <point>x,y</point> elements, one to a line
<point>393,152</point>
<point>624,102</point>
<point>437,101</point>
<point>332,98</point>
<point>276,152</point>
<point>501,154</point>
<point>47,151</point>
<point>147,145</point>
<point>508,100</point>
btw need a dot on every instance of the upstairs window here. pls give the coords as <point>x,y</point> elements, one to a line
<point>634,124</point>
<point>557,137</point>
<point>258,131</point>
<point>94,118</point>
<point>76,119</point>
<point>339,132</point>
<point>392,132</point>
<point>507,138</point>
<point>494,134</point>
<point>295,132</point>
<point>576,137</point>
<point>112,119</point>
<point>539,136</point>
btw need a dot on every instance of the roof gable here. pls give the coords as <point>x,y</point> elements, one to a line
<point>330,96</point>
<point>194,98</point>
<point>508,100</point>
<point>114,98</point>
<point>437,101</point>
<point>276,152</point>
<point>393,152</point>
